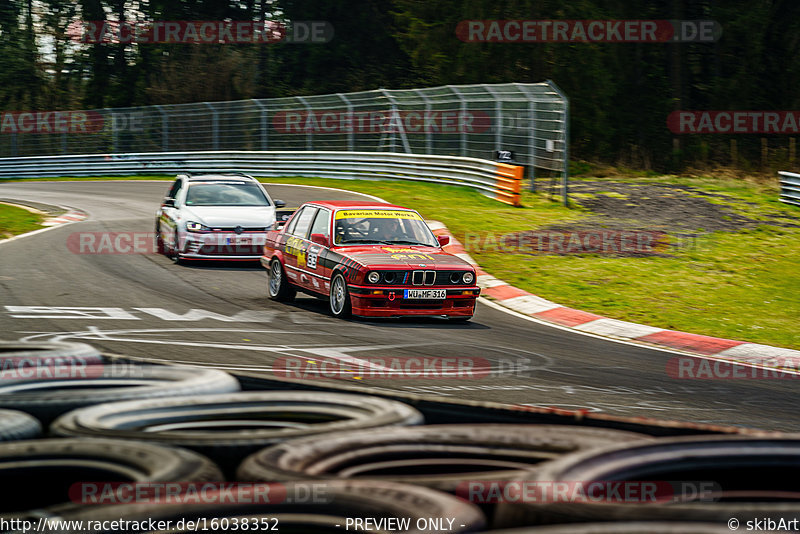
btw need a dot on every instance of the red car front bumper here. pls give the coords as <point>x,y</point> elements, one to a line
<point>389,302</point>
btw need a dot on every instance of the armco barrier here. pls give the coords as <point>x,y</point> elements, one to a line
<point>790,187</point>
<point>493,179</point>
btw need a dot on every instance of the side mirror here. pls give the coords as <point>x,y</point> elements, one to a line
<point>443,239</point>
<point>320,239</point>
<point>278,225</point>
<point>278,202</point>
<point>168,203</point>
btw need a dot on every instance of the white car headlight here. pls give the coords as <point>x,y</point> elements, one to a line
<point>192,226</point>
<point>374,277</point>
<point>468,278</point>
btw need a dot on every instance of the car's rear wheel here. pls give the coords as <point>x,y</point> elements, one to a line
<point>160,248</point>
<point>277,284</point>
<point>340,297</point>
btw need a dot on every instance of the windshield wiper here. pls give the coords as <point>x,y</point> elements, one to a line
<point>405,242</point>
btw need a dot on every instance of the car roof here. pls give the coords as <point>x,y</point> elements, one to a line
<point>344,204</point>
<point>217,177</point>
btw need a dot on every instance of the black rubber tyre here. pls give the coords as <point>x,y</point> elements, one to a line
<point>175,254</point>
<point>16,425</point>
<point>49,397</point>
<point>437,456</point>
<point>340,499</point>
<point>228,427</point>
<point>642,527</point>
<point>47,472</point>
<point>160,248</point>
<point>763,471</point>
<point>278,287</point>
<point>17,355</point>
<point>45,360</point>
<point>339,298</point>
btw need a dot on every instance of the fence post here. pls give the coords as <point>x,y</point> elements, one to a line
<point>114,134</point>
<point>565,163</point>
<point>532,143</point>
<point>498,109</point>
<point>350,118</point>
<point>395,118</point>
<point>428,137</point>
<point>464,111</point>
<point>164,129</point>
<point>264,123</point>
<point>309,133</point>
<point>531,134</point>
<point>565,176</point>
<point>214,126</point>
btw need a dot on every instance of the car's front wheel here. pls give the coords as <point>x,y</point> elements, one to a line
<point>277,285</point>
<point>175,255</point>
<point>340,297</point>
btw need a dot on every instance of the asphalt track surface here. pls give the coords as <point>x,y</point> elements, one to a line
<point>148,303</point>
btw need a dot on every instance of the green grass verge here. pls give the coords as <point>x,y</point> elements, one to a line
<point>15,221</point>
<point>741,285</point>
<point>738,286</point>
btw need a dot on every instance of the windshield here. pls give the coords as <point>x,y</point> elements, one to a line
<point>225,194</point>
<point>402,227</point>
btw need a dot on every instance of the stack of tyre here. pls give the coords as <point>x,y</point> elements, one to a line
<point>82,428</point>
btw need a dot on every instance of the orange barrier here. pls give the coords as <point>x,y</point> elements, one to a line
<point>509,183</point>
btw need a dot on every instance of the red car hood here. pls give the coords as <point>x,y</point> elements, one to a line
<point>402,256</point>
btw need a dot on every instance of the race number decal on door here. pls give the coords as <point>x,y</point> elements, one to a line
<point>311,259</point>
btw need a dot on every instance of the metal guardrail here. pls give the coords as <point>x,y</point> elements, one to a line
<point>790,187</point>
<point>483,175</point>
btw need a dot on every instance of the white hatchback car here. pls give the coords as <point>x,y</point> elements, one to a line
<point>215,217</point>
